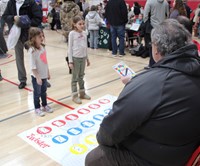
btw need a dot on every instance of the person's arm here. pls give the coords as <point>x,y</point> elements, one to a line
<point>124,11</point>
<point>36,13</point>
<point>70,50</point>
<point>134,106</point>
<point>147,10</point>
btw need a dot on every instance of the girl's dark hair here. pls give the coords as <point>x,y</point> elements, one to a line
<point>75,20</point>
<point>33,32</point>
<point>180,7</point>
<point>93,8</point>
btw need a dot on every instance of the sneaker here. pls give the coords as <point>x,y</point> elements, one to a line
<point>39,112</point>
<point>121,55</point>
<point>77,100</point>
<point>114,55</point>
<point>48,109</point>
<point>22,85</point>
<point>85,96</point>
<point>48,85</point>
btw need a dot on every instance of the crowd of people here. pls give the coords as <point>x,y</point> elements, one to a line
<point>154,121</point>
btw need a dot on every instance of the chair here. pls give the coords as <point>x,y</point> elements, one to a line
<point>195,158</point>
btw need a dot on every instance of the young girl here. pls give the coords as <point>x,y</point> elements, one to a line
<point>92,22</point>
<point>39,70</point>
<point>77,53</point>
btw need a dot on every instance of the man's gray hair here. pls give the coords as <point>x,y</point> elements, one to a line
<point>169,36</point>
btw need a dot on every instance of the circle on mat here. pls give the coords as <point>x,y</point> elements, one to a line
<point>83,111</point>
<point>87,124</point>
<point>58,123</point>
<point>44,130</point>
<point>71,117</point>
<point>94,106</point>
<point>60,139</point>
<point>91,139</point>
<point>104,101</point>
<point>107,110</point>
<point>98,117</point>
<point>78,149</point>
<point>74,131</point>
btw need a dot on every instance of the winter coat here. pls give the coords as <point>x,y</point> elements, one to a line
<point>68,11</point>
<point>156,116</point>
<point>92,21</point>
<point>116,12</point>
<point>29,8</point>
<point>3,4</point>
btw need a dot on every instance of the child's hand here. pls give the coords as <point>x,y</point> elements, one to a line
<point>49,77</point>
<point>125,79</point>
<point>39,81</point>
<point>71,65</point>
<point>88,62</point>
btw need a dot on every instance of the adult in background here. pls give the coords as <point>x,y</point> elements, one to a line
<point>196,20</point>
<point>156,11</point>
<point>178,9</point>
<point>116,14</point>
<point>69,10</point>
<point>136,8</point>
<point>164,130</point>
<point>188,9</point>
<point>14,9</point>
<point>188,25</point>
<point>3,47</point>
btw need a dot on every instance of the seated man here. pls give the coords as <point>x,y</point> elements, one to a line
<point>155,120</point>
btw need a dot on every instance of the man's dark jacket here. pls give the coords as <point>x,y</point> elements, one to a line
<point>157,115</point>
<point>29,8</point>
<point>116,12</point>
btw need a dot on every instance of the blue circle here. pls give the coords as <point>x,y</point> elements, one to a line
<point>74,131</point>
<point>87,123</point>
<point>98,117</point>
<point>60,139</point>
<point>107,111</point>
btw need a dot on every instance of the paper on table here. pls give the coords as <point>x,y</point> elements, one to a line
<point>135,27</point>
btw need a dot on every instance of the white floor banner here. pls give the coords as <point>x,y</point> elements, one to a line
<point>68,138</point>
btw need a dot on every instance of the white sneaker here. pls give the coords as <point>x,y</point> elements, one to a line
<point>48,109</point>
<point>39,112</point>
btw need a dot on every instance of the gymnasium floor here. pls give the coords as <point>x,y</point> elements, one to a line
<point>16,106</point>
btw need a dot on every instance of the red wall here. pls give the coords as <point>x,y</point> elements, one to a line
<point>191,3</point>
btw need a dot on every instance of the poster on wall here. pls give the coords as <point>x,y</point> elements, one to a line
<point>67,139</point>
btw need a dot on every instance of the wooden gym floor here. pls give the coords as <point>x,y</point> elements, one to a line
<point>16,106</point>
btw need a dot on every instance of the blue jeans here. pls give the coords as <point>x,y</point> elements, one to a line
<point>39,91</point>
<point>118,31</point>
<point>94,35</point>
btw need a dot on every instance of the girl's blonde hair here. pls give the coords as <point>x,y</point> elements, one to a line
<point>33,32</point>
<point>75,20</point>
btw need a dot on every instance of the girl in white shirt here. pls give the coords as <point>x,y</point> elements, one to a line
<point>39,70</point>
<point>77,54</point>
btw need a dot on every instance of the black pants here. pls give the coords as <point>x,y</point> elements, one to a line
<point>147,39</point>
<point>3,46</point>
<point>108,156</point>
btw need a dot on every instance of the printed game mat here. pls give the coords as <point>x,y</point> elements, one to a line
<point>68,138</point>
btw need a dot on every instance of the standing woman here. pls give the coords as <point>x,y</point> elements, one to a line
<point>3,47</point>
<point>178,9</point>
